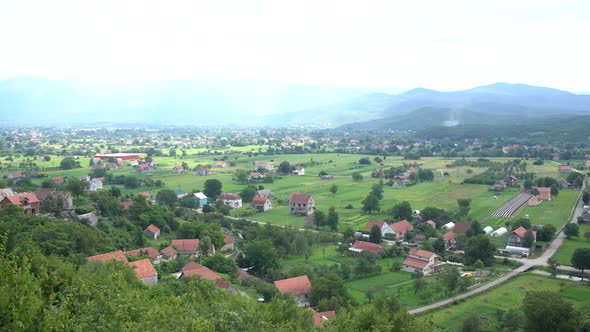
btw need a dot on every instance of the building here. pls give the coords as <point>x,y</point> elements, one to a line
<point>299,171</point>
<point>234,201</point>
<point>564,169</point>
<point>301,204</point>
<point>255,175</point>
<point>202,171</point>
<point>29,202</point>
<point>431,223</point>
<point>201,198</point>
<point>383,226</point>
<point>360,246</point>
<point>169,253</point>
<point>516,238</point>
<point>152,232</point>
<point>194,269</point>
<point>115,255</point>
<point>299,287</point>
<point>450,239</point>
<point>152,254</point>
<point>94,184</point>
<point>261,204</point>
<point>144,270</point>
<point>180,193</point>
<point>421,260</point>
<point>319,318</point>
<point>563,183</point>
<point>461,227</point>
<point>544,193</point>
<point>265,193</point>
<point>221,164</point>
<point>190,246</point>
<point>178,169</point>
<point>66,198</point>
<point>401,227</point>
<point>123,156</point>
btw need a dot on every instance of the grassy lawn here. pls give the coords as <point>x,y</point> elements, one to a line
<point>565,252</point>
<point>555,212</point>
<point>509,296</point>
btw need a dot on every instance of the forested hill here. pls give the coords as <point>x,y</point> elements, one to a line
<point>553,130</point>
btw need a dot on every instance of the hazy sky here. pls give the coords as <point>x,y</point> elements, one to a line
<point>442,45</point>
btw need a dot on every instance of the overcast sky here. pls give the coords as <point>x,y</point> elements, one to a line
<point>445,45</point>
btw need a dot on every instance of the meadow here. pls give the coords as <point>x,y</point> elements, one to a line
<point>509,297</point>
<point>564,253</point>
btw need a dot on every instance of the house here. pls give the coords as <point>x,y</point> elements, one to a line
<point>144,270</point>
<point>94,185</point>
<point>555,156</point>
<point>190,246</point>
<point>383,226</point>
<point>152,232</point>
<point>201,198</point>
<point>499,185</point>
<point>512,181</point>
<point>563,184</point>
<point>112,166</point>
<point>401,227</point>
<point>152,254</point>
<point>169,253</point>
<point>301,204</point>
<point>516,238</point>
<point>448,226</point>
<point>261,204</point>
<point>265,193</point>
<point>450,239</point>
<point>299,171</point>
<point>146,194</point>
<point>564,169</point>
<point>68,201</point>
<point>360,246</point>
<point>299,287</point>
<point>89,218</point>
<point>228,241</point>
<point>178,169</point>
<point>256,176</point>
<point>319,318</point>
<point>180,193</point>
<point>585,218</point>
<point>202,171</point>
<point>422,260</point>
<point>234,201</point>
<point>461,227</point>
<point>431,223</point>
<point>115,255</point>
<point>221,164</point>
<point>194,269</point>
<point>15,175</point>
<point>29,202</point>
<point>544,193</point>
<point>58,180</point>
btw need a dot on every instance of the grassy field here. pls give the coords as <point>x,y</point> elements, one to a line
<point>509,297</point>
<point>565,252</point>
<point>555,212</point>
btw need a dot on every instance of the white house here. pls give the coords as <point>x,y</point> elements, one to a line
<point>299,171</point>
<point>425,261</point>
<point>383,226</point>
<point>94,185</point>
<point>232,200</point>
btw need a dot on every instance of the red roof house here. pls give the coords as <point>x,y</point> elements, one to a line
<point>190,246</point>
<point>401,227</point>
<point>115,255</point>
<point>152,231</point>
<point>299,287</point>
<point>360,246</point>
<point>424,261</point>
<point>152,253</point>
<point>169,253</point>
<point>144,270</point>
<point>461,227</point>
<point>29,202</point>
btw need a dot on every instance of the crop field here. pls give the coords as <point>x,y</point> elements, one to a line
<point>510,297</point>
<point>564,253</point>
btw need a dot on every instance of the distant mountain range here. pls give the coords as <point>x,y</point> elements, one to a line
<point>222,102</point>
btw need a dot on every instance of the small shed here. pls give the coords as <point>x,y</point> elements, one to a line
<point>499,232</point>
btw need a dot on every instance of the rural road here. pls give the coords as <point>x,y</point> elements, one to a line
<point>527,264</point>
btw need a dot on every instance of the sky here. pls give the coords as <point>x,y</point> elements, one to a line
<point>374,45</point>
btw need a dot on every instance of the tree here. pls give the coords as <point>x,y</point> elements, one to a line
<point>586,198</point>
<point>76,186</point>
<point>332,220</point>
<point>587,235</point>
<point>370,204</point>
<point>319,218</point>
<point>377,191</point>
<point>581,259</point>
<point>464,206</point>
<point>261,255</point>
<point>529,239</point>
<point>576,179</point>
<point>172,152</point>
<point>451,279</point>
<point>221,264</point>
<point>479,247</point>
<point>553,265</point>
<point>285,167</point>
<point>241,176</point>
<point>365,161</point>
<point>554,190</point>
<point>471,323</point>
<point>248,194</point>
<point>356,176</point>
<point>548,311</point>
<point>546,233</point>
<point>166,197</point>
<point>333,189</point>
<point>68,163</point>
<point>439,246</point>
<point>524,222</point>
<point>329,286</point>
<point>402,210</point>
<point>571,230</point>
<point>475,229</point>
<point>115,191</point>
<point>212,188</point>
<point>204,245</point>
<point>375,234</point>
<point>419,284</point>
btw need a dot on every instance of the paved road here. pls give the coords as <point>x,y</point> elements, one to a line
<point>527,264</point>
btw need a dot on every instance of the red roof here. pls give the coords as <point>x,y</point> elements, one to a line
<point>415,262</point>
<point>126,204</point>
<point>564,168</point>
<point>294,286</point>
<point>544,189</point>
<point>402,226</point>
<point>450,236</point>
<point>116,255</point>
<point>151,252</point>
<point>299,198</point>
<point>16,174</point>
<point>45,192</point>
<point>186,244</point>
<point>431,223</point>
<point>228,239</point>
<point>520,231</point>
<point>372,223</point>
<point>143,268</point>
<point>421,253</point>
<point>192,268</point>
<point>153,229</point>
<point>461,227</point>
<point>319,318</point>
<point>57,179</point>
<point>229,196</point>
<point>259,201</point>
<point>168,252</point>
<point>368,246</point>
<point>21,199</point>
